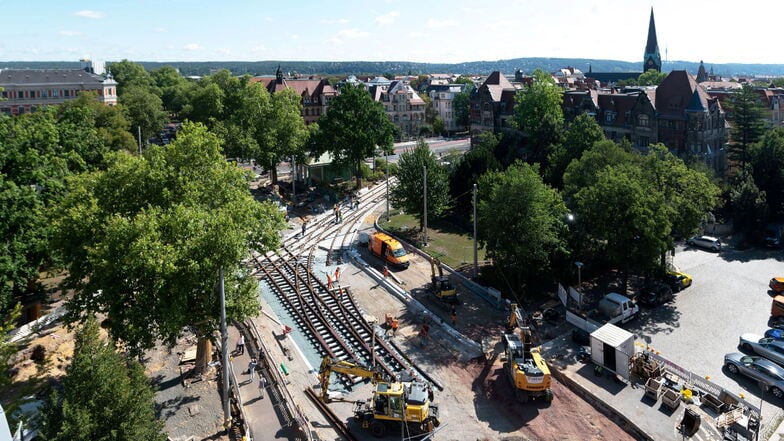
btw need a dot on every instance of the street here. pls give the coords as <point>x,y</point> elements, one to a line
<point>729,297</point>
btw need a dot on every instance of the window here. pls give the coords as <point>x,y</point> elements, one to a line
<point>642,121</point>
<point>643,142</point>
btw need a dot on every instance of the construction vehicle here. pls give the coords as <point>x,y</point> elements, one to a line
<point>393,405</point>
<point>442,287</point>
<point>525,367</point>
<point>388,249</point>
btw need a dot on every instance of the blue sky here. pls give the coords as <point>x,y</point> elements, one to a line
<point>717,31</point>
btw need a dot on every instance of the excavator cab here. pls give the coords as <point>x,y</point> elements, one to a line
<point>527,371</point>
<point>441,285</point>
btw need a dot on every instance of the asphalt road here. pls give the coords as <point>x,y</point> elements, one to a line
<point>729,297</point>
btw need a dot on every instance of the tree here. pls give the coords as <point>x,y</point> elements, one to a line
<point>461,105</point>
<point>581,134</point>
<point>144,240</point>
<point>7,349</point>
<point>539,114</point>
<point>747,122</point>
<point>129,74</point>
<point>477,161</point>
<point>104,396</point>
<point>174,88</point>
<point>353,128</point>
<point>521,222</point>
<point>747,203</point>
<point>651,77</point>
<point>110,122</point>
<point>621,215</point>
<point>145,111</point>
<point>462,79</point>
<point>408,194</point>
<point>583,172</point>
<point>767,167</point>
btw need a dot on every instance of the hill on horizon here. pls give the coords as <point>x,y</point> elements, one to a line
<point>527,65</point>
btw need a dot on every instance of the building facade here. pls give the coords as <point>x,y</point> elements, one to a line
<point>405,108</point>
<point>442,97</point>
<point>26,90</point>
<point>315,93</point>
<point>492,104</point>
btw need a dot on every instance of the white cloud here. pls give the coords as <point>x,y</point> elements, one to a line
<point>352,33</point>
<point>160,29</point>
<point>192,47</point>
<point>502,24</point>
<point>433,23</point>
<point>89,14</point>
<point>333,21</point>
<point>293,36</point>
<point>415,34</point>
<point>387,18</point>
<point>334,41</point>
<point>69,33</point>
<point>258,48</point>
<point>222,51</point>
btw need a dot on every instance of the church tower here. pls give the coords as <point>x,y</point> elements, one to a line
<point>652,59</point>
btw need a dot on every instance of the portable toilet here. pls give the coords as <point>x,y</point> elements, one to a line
<point>611,348</point>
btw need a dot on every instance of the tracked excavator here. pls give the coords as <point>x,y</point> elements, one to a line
<point>442,287</point>
<point>526,369</point>
<point>393,405</point>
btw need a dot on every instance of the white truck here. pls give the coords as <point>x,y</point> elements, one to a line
<point>613,308</point>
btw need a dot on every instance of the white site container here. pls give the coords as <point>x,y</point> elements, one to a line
<point>611,348</point>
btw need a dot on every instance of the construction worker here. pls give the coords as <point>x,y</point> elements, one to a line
<point>337,275</point>
<point>394,326</point>
<point>386,271</point>
<point>453,316</point>
<point>329,281</point>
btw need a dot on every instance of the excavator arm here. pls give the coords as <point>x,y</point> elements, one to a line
<point>329,365</point>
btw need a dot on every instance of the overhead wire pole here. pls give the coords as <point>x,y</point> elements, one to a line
<point>224,356</point>
<point>386,158</point>
<point>476,252</point>
<point>139,137</point>
<point>424,197</point>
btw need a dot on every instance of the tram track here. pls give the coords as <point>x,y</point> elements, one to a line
<point>328,316</point>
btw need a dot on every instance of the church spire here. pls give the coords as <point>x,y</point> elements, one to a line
<point>652,58</point>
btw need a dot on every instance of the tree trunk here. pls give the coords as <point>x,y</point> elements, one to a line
<point>203,353</point>
<point>274,174</point>
<point>359,174</point>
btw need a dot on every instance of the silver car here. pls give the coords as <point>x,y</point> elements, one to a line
<point>708,242</point>
<point>757,368</point>
<point>769,348</point>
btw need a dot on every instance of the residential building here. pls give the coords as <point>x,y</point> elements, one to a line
<point>678,113</point>
<point>25,90</point>
<point>405,108</point>
<point>442,96</point>
<point>492,104</point>
<point>315,93</point>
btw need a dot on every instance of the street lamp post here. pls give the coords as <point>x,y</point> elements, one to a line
<point>579,266</point>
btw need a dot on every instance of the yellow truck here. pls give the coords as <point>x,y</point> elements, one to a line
<point>388,249</point>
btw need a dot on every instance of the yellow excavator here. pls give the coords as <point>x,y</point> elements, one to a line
<point>392,405</point>
<point>525,367</point>
<point>442,287</point>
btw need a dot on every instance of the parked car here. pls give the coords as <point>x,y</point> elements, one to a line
<point>677,280</point>
<point>654,294</point>
<point>769,348</point>
<point>776,284</point>
<point>764,371</point>
<point>772,238</point>
<point>775,334</point>
<point>708,242</point>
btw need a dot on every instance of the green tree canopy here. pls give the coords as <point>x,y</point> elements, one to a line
<point>748,204</point>
<point>461,105</point>
<point>477,161</point>
<point>173,86</point>
<point>130,74</point>
<point>521,222</point>
<point>144,241</point>
<point>581,134</point>
<point>748,122</point>
<point>408,194</point>
<point>767,165</point>
<point>105,396</point>
<point>353,129</point>
<point>539,113</point>
<point>144,110</point>
<point>651,77</point>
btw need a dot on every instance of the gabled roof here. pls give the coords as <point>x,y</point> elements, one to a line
<point>303,87</point>
<point>495,84</point>
<point>619,103</point>
<point>680,91</point>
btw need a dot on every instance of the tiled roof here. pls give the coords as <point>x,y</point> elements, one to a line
<point>303,87</point>
<point>495,84</point>
<point>619,103</point>
<point>678,91</point>
<point>48,76</point>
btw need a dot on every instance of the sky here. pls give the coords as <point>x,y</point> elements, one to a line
<point>716,31</point>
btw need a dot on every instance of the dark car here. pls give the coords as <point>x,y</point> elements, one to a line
<point>677,280</point>
<point>772,238</point>
<point>655,294</point>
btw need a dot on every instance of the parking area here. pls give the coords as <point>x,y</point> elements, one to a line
<point>729,296</point>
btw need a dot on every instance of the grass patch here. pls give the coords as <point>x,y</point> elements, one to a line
<point>451,244</point>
